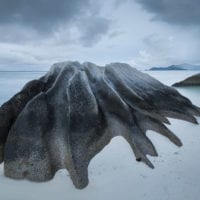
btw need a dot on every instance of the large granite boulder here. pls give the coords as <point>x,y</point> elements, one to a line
<point>63,119</point>
<point>190,81</point>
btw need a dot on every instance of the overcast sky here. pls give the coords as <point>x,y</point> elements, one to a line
<point>144,33</point>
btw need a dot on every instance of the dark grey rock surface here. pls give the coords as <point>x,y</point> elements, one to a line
<point>190,81</point>
<point>63,119</point>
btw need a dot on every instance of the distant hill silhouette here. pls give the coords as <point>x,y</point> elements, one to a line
<point>184,66</point>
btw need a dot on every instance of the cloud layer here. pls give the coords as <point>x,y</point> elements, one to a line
<point>41,15</point>
<point>180,12</point>
<point>27,19</point>
<point>38,33</point>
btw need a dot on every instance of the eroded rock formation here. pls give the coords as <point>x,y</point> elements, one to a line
<point>66,117</point>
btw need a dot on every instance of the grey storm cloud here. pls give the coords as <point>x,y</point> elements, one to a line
<point>41,14</point>
<point>93,27</point>
<point>45,17</point>
<point>180,12</point>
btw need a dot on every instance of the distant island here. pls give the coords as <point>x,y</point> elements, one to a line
<point>190,81</point>
<point>176,67</point>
